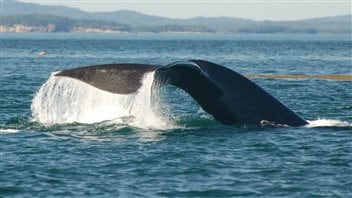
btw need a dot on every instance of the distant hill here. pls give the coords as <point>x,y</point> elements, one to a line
<point>123,16</point>
<point>30,14</point>
<point>20,8</point>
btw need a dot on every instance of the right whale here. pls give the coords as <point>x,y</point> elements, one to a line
<point>225,94</point>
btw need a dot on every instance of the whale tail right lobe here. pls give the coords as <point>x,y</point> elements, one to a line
<point>230,97</point>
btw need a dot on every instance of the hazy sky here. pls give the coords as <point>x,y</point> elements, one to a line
<point>258,10</point>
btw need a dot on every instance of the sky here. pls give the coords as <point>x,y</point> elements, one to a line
<point>251,9</point>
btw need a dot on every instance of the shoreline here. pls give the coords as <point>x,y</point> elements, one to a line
<point>18,28</point>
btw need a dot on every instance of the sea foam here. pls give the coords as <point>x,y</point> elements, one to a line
<point>327,123</point>
<point>4,131</point>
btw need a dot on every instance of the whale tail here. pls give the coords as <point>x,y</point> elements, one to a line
<point>114,78</point>
<point>228,96</point>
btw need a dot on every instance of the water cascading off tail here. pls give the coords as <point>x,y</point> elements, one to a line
<point>63,100</point>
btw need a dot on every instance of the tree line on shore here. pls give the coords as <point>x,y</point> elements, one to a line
<point>67,24</point>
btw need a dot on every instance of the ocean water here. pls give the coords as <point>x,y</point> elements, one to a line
<point>63,138</point>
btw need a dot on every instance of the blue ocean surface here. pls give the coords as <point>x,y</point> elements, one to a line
<point>64,138</point>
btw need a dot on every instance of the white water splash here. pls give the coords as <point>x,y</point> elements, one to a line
<point>65,100</point>
<point>4,131</point>
<point>327,123</point>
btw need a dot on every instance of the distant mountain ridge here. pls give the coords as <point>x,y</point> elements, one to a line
<point>132,21</point>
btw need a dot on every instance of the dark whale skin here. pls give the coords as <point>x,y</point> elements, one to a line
<point>225,94</point>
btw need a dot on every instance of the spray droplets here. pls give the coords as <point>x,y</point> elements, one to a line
<point>65,100</point>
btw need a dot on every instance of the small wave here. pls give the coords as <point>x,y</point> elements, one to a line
<point>4,131</point>
<point>340,77</point>
<point>327,123</point>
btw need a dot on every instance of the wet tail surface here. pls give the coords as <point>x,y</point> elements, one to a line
<point>115,78</point>
<point>228,96</point>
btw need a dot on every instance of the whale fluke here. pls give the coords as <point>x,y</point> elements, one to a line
<point>228,96</point>
<point>115,78</point>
